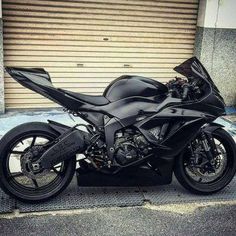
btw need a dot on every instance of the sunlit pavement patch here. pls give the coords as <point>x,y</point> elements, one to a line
<point>13,118</point>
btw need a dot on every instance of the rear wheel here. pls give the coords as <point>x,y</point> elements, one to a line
<point>17,175</point>
<point>196,173</point>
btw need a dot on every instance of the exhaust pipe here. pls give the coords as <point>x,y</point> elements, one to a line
<point>69,144</point>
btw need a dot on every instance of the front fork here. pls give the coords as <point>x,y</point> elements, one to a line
<point>206,146</point>
<point>209,145</point>
<point>206,141</point>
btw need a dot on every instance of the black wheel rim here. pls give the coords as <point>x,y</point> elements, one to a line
<point>36,188</point>
<point>225,148</point>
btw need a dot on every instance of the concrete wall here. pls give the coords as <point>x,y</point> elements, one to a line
<point>2,103</point>
<point>215,44</point>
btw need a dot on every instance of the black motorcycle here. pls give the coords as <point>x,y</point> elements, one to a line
<point>137,124</point>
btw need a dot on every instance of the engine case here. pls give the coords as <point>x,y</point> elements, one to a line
<point>130,147</point>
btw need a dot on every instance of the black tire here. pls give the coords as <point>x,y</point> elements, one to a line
<point>26,194</point>
<point>219,183</point>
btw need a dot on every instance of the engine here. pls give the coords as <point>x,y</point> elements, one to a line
<point>130,146</point>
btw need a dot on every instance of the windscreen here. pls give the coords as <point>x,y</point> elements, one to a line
<point>193,69</point>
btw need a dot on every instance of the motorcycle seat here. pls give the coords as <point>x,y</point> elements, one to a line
<point>91,99</point>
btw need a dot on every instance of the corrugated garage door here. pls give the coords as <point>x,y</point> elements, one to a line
<point>86,44</point>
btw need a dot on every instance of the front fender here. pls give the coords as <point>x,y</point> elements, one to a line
<point>211,128</point>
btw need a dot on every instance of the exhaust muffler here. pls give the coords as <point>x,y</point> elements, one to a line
<point>69,144</point>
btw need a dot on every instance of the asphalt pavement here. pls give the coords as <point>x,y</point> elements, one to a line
<point>211,220</point>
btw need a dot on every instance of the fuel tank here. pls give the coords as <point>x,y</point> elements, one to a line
<point>129,86</point>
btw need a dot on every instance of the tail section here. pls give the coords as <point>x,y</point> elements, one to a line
<point>39,81</point>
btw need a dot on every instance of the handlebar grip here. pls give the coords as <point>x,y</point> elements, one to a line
<point>185,92</point>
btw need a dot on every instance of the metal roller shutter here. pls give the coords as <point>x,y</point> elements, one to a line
<point>86,44</point>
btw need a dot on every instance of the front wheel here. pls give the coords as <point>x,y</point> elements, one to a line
<point>17,175</point>
<point>198,174</point>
